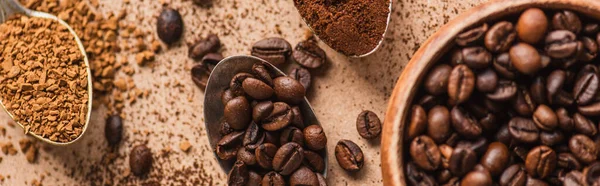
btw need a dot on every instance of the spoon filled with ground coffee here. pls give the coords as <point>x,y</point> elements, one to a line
<point>354,28</point>
<point>45,82</point>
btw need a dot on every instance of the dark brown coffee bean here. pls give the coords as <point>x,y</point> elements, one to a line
<point>500,37</point>
<point>504,66</point>
<point>486,80</point>
<point>496,158</point>
<point>503,135</point>
<point>478,145</point>
<point>460,84</point>
<point>438,125</point>
<point>505,90</point>
<point>200,48</point>
<point>586,88</point>
<point>280,118</point>
<point>169,25</point>
<point>261,111</point>
<point>238,175</point>
<point>583,125</point>
<point>228,146</point>
<point>521,152</point>
<point>462,161</point>
<point>298,120</point>
<point>590,49</point>
<point>225,128</point>
<point>565,122</point>
<point>246,156</point>
<point>254,179</point>
<point>566,20</point>
<point>113,130</point>
<point>226,96</point>
<point>489,123</point>
<point>415,176</point>
<point>556,80</point>
<point>288,158</point>
<point>551,138</point>
<point>591,29</point>
<point>574,178</point>
<point>514,175</point>
<point>237,113</point>
<point>532,25</point>
<point>525,58</point>
<point>591,174</point>
<point>465,124</point>
<point>368,124</point>
<point>523,130</point>
<point>302,75</point>
<point>254,137</point>
<point>538,90</point>
<point>472,36</point>
<point>303,176</point>
<point>417,124</point>
<point>523,102</point>
<point>140,160</point>
<point>535,182</point>
<point>257,89</point>
<point>425,153</point>
<point>292,134</point>
<point>350,157</point>
<point>561,44</point>
<point>322,180</point>
<point>476,178</point>
<point>265,154</point>
<point>236,83</point>
<point>540,161</point>
<point>314,161</point>
<point>446,152</point>
<point>261,72</point>
<point>200,74</point>
<point>545,118</point>
<point>590,110</point>
<point>476,57</point>
<point>315,137</point>
<point>583,148</point>
<point>436,81</point>
<point>274,50</point>
<point>568,161</point>
<point>273,179</point>
<point>443,176</point>
<point>288,90</point>
<point>211,59</point>
<point>309,54</point>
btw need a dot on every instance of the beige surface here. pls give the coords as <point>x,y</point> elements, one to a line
<point>173,110</point>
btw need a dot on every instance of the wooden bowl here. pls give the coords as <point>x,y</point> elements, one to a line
<point>430,52</point>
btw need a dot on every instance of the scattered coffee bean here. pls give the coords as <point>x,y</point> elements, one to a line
<point>113,130</point>
<point>274,50</point>
<point>200,74</point>
<point>309,54</point>
<point>201,48</point>
<point>301,75</point>
<point>140,160</point>
<point>211,59</point>
<point>368,124</point>
<point>169,25</point>
<point>349,156</point>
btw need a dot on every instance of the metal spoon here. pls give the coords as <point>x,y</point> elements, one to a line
<point>213,108</point>
<point>387,25</point>
<point>10,8</point>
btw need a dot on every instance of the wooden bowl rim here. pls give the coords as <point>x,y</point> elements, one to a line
<point>431,51</point>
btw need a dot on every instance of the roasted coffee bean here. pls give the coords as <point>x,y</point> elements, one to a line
<point>298,120</point>
<point>228,146</point>
<point>415,176</point>
<point>265,154</point>
<point>309,54</point>
<point>586,88</point>
<point>280,118</point>
<point>314,161</point>
<point>225,128</point>
<point>113,129</point>
<point>169,25</point>
<point>532,25</point>
<point>200,74</point>
<point>301,75</point>
<point>590,110</point>
<point>583,125</point>
<point>254,137</point>
<point>273,179</point>
<point>556,80</point>
<point>461,161</point>
<point>140,160</point>
<point>446,152</point>
<point>565,122</point>
<point>523,130</point>
<point>476,178</point>
<point>292,134</point>
<point>417,124</point>
<point>303,176</point>
<point>443,176</point>
<point>590,49</point>
<point>465,124</point>
<point>261,72</point>
<point>503,135</point>
<point>504,66</point>
<point>591,174</point>
<point>236,83</point>
<point>566,20</point>
<point>246,156</point>
<point>500,37</point>
<point>429,101</point>
<point>574,178</point>
<point>568,161</point>
<point>505,90</point>
<point>237,113</point>
<point>436,82</point>
<point>472,36</point>
<point>288,158</point>
<point>438,124</point>
<point>525,58</point>
<point>523,102</point>
<point>261,111</point>
<point>551,138</point>
<point>272,137</point>
<point>226,96</point>
<point>538,90</point>
<point>591,29</point>
<point>274,50</point>
<point>478,145</point>
<point>583,148</point>
<point>540,161</point>
<point>521,152</point>
<point>489,123</point>
<point>535,182</point>
<point>257,89</point>
<point>254,179</point>
<point>514,175</point>
<point>545,118</point>
<point>496,158</point>
<point>424,152</point>
<point>368,124</point>
<point>322,180</point>
<point>460,84</point>
<point>486,81</point>
<point>201,48</point>
<point>288,90</point>
<point>238,175</point>
<point>351,158</point>
<point>315,137</point>
<point>212,59</point>
<point>561,44</point>
<point>476,57</point>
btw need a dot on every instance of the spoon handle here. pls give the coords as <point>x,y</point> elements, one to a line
<point>9,8</point>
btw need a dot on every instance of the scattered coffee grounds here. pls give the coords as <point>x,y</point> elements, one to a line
<point>43,81</point>
<point>514,103</point>
<point>29,148</point>
<point>352,27</point>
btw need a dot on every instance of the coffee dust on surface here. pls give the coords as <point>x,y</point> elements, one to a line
<point>352,27</point>
<point>43,78</point>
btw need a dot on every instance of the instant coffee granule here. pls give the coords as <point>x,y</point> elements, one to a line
<point>353,27</point>
<point>43,78</point>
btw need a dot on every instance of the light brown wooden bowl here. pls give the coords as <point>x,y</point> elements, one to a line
<point>430,52</point>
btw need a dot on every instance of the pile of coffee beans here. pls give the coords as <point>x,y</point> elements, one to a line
<point>206,52</point>
<point>264,132</point>
<point>515,103</point>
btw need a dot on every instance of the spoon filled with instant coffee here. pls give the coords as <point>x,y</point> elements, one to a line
<point>260,125</point>
<point>45,81</point>
<point>355,28</point>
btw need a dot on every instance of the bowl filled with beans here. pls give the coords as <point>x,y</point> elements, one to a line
<point>507,93</point>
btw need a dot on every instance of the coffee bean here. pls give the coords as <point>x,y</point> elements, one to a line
<point>465,124</point>
<point>540,161</point>
<point>538,90</point>
<point>591,174</point>
<point>461,161</point>
<point>313,161</point>
<point>555,82</point>
<point>565,122</point>
<point>586,88</point>
<point>309,54</point>
<point>503,135</point>
<point>525,58</point>
<point>568,161</point>
<point>500,37</point>
<point>274,50</point>
<point>350,157</point>
<point>303,176</point>
<point>237,113</point>
<point>225,128</point>
<point>476,57</point>
<point>169,25</point>
<point>545,118</point>
<point>200,74</point>
<point>417,124</point>
<point>254,179</point>
<point>523,102</point>
<point>211,59</point>
<point>415,176</point>
<point>443,176</point>
<point>226,96</point>
<point>438,124</point>
<point>292,134</point>
<point>140,160</point>
<point>590,110</point>
<point>368,124</point>
<point>272,137</point>
<point>288,90</point>
<point>590,49</point>
<point>113,130</point>
<point>561,44</point>
<point>532,25</point>
<point>583,125</point>
<point>273,179</point>
<point>315,137</point>
<point>253,137</point>
<point>514,175</point>
<point>472,36</point>
<point>535,182</point>
<point>505,90</point>
<point>521,152</point>
<point>201,48</point>
<point>504,66</point>
<point>496,158</point>
<point>238,175</point>
<point>261,72</point>
<point>288,158</point>
<point>583,148</point>
<point>478,145</point>
<point>551,138</point>
<point>298,120</point>
<point>436,82</point>
<point>424,152</point>
<point>236,83</point>
<point>591,29</point>
<point>301,75</point>
<point>523,130</point>
<point>265,154</point>
<point>257,89</point>
<point>280,118</point>
<point>228,146</point>
<point>486,81</point>
<point>574,178</point>
<point>261,111</point>
<point>246,156</point>
<point>476,178</point>
<point>460,84</point>
<point>566,20</point>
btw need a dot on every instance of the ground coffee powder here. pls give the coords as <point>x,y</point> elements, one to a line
<point>43,78</point>
<point>352,27</point>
